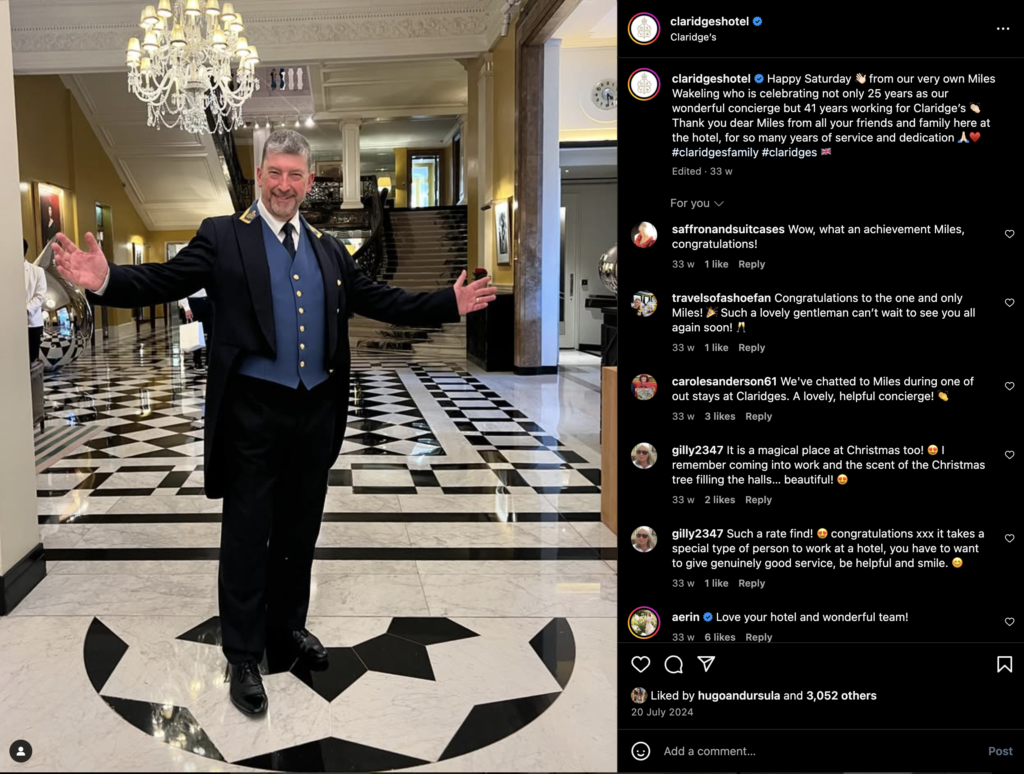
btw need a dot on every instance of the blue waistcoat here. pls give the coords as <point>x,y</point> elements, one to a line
<point>298,320</point>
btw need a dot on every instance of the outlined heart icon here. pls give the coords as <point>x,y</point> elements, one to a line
<point>1009,302</point>
<point>1009,538</point>
<point>637,660</point>
<point>1010,385</point>
<point>1009,621</point>
<point>1009,455</point>
<point>1009,234</point>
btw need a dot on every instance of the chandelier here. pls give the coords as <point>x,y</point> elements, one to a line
<point>182,69</point>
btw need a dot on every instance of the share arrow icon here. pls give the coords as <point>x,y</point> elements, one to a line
<point>706,661</point>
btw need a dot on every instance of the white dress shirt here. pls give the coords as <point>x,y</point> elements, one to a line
<point>276,224</point>
<point>35,294</point>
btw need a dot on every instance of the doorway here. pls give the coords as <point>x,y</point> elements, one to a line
<point>105,237</point>
<point>568,313</point>
<point>425,180</point>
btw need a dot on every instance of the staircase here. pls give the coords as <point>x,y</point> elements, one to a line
<point>426,250</point>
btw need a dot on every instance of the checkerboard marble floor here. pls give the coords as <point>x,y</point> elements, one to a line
<point>463,581</point>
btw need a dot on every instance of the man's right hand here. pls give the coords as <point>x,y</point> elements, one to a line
<point>188,315</point>
<point>86,268</point>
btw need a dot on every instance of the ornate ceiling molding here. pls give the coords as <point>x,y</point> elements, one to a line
<point>40,45</point>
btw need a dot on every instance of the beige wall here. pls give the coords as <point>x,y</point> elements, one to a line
<point>56,145</point>
<point>401,179</point>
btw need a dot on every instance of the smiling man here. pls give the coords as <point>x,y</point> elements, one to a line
<point>277,392</point>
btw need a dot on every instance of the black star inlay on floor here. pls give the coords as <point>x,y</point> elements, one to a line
<point>103,654</point>
<point>489,723</point>
<point>332,755</point>
<point>207,633</point>
<point>343,669</point>
<point>396,656</point>
<point>556,647</point>
<point>168,723</point>
<point>429,631</point>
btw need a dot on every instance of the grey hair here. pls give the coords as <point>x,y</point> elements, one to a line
<point>287,141</point>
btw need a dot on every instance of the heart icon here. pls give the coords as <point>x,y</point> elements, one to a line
<point>638,660</point>
<point>1009,538</point>
<point>1009,455</point>
<point>1009,621</point>
<point>975,136</point>
<point>1010,385</point>
<point>1009,302</point>
<point>1009,233</point>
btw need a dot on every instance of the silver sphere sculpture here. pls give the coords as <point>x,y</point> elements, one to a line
<point>67,317</point>
<point>608,269</point>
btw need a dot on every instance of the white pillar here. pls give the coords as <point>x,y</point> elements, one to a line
<point>259,139</point>
<point>485,166</point>
<point>19,525</point>
<point>352,188</point>
<point>551,206</point>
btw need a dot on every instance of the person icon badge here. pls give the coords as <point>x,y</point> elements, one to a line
<point>20,751</point>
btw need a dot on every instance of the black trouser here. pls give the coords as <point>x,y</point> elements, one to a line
<point>202,311</point>
<point>35,336</point>
<point>277,458</point>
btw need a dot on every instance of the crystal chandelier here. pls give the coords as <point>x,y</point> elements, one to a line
<point>183,65</point>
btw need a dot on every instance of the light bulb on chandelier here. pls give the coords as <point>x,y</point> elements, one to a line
<point>192,66</point>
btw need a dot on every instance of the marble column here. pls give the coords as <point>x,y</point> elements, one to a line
<point>485,166</point>
<point>21,552</point>
<point>351,192</point>
<point>536,221</point>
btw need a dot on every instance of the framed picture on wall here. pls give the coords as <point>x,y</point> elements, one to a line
<point>330,169</point>
<point>173,248</point>
<point>51,203</point>
<point>503,232</point>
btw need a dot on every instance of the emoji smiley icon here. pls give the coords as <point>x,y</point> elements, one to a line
<point>958,562</point>
<point>933,450</point>
<point>842,479</point>
<point>823,533</point>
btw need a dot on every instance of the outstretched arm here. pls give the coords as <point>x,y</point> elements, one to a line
<point>132,286</point>
<point>401,307</point>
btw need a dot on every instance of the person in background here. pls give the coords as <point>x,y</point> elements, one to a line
<point>35,296</point>
<point>197,308</point>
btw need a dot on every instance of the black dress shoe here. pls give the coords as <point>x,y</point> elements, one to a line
<point>247,692</point>
<point>310,651</point>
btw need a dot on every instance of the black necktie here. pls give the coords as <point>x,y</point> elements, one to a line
<point>289,243</point>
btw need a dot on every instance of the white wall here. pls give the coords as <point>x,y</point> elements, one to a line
<point>580,71</point>
<point>593,214</point>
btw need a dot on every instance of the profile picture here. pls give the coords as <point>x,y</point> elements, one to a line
<point>638,695</point>
<point>644,623</point>
<point>644,386</point>
<point>644,234</point>
<point>644,28</point>
<point>645,303</point>
<point>643,539</point>
<point>644,455</point>
<point>644,84</point>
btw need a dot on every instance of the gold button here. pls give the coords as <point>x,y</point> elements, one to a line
<point>295,276</point>
<point>302,329</point>
<point>339,283</point>
<point>298,293</point>
<point>302,346</point>
<point>301,310</point>
<point>302,364</point>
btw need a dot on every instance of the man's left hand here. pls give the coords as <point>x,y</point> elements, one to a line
<point>474,296</point>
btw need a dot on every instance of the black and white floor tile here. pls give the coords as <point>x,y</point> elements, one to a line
<point>463,581</point>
